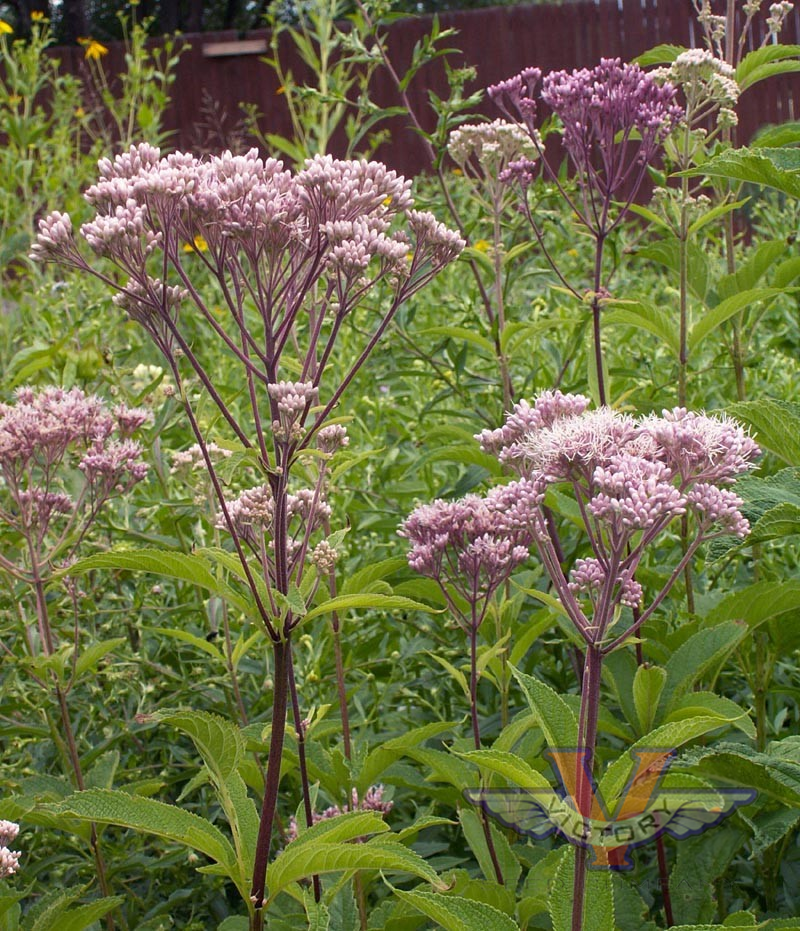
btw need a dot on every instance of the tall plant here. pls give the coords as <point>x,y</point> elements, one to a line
<point>294,257</point>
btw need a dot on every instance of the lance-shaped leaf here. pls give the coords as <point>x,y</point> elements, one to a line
<point>458,914</point>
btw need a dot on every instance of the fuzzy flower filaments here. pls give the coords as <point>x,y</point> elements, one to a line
<point>614,120</point>
<point>292,256</point>
<point>630,478</point>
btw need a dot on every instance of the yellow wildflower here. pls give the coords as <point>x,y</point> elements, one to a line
<point>482,245</point>
<point>14,99</point>
<point>457,171</point>
<point>5,29</point>
<point>94,49</point>
<point>572,252</point>
<point>80,112</point>
<point>281,90</point>
<point>37,16</point>
<point>198,244</point>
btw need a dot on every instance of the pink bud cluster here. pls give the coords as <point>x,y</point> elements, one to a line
<point>372,801</point>
<point>614,119</point>
<point>473,544</point>
<point>49,436</point>
<point>9,859</point>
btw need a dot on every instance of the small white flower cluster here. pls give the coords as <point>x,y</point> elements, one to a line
<point>9,859</point>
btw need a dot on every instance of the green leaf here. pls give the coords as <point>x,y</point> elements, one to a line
<point>472,826</point>
<point>598,912</point>
<point>738,765</point>
<point>360,581</point>
<point>104,806</point>
<point>185,567</point>
<point>218,741</point>
<point>752,270</point>
<point>298,861</point>
<point>726,309</point>
<point>458,914</point>
<point>556,719</point>
<point>462,333</point>
<point>777,135</point>
<point>667,252</point>
<point>670,736</point>
<point>508,765</point>
<point>383,756</point>
<point>456,674</point>
<point>702,653</point>
<point>753,166</point>
<point>776,425</point>
<point>91,656</point>
<point>77,919</point>
<point>369,600</point>
<point>648,684</point>
<point>710,216</point>
<point>200,643</point>
<point>649,317</point>
<point>778,523</point>
<point>659,55</point>
<point>765,62</point>
<point>695,704</point>
<point>757,603</point>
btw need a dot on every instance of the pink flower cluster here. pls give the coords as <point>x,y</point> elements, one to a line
<point>630,477</point>
<point>372,801</point>
<point>474,544</point>
<point>9,859</point>
<point>332,217</point>
<point>46,434</point>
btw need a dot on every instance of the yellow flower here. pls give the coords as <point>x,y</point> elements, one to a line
<point>572,252</point>
<point>387,201</point>
<point>14,99</point>
<point>94,49</point>
<point>198,244</point>
<point>80,112</point>
<point>37,16</point>
<point>482,245</point>
<point>281,90</point>
<point>457,171</point>
<point>5,29</point>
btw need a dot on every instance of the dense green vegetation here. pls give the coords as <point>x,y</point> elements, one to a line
<point>144,645</point>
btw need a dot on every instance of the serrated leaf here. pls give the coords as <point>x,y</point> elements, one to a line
<point>757,603</point>
<point>711,319</point>
<point>318,857</point>
<point>508,765</point>
<point>104,806</point>
<point>694,704</point>
<point>369,600</point>
<point>598,911</point>
<point>756,65</point>
<point>701,653</point>
<point>458,914</point>
<point>753,166</point>
<point>184,567</point>
<point>648,684</point>
<point>670,736</point>
<point>648,317</point>
<point>776,425</point>
<point>556,719</point>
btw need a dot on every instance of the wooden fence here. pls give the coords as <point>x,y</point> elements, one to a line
<point>498,41</point>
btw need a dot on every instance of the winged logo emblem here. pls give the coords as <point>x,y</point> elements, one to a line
<point>643,811</point>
